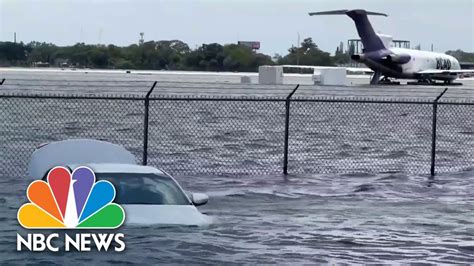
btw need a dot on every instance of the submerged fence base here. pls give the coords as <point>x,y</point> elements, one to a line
<point>248,135</point>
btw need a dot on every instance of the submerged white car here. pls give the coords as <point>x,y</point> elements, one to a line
<point>149,196</point>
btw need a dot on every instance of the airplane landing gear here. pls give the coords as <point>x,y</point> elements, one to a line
<point>384,81</point>
<point>430,82</point>
<point>375,78</point>
<point>424,81</point>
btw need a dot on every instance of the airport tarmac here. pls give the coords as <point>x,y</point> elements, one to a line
<point>214,84</point>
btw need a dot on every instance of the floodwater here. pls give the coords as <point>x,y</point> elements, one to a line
<point>381,217</point>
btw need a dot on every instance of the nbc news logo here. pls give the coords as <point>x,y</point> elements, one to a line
<point>68,201</point>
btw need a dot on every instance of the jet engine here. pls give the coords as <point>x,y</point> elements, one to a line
<point>358,57</point>
<point>398,58</point>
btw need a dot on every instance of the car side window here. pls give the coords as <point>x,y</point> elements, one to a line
<point>145,189</point>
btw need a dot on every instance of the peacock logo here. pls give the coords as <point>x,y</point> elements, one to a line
<point>71,201</point>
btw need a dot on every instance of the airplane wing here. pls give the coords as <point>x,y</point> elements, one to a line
<point>446,71</point>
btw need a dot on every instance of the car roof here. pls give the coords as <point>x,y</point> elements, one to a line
<point>76,151</point>
<point>119,168</point>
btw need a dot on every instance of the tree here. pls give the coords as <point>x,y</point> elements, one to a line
<point>42,52</point>
<point>237,58</point>
<point>308,54</point>
<point>13,53</point>
<point>209,57</point>
<point>308,45</point>
<point>461,55</point>
<point>176,55</point>
<point>98,58</point>
<point>277,57</point>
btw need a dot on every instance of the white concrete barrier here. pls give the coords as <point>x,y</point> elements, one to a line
<point>270,75</point>
<point>245,80</point>
<point>330,76</point>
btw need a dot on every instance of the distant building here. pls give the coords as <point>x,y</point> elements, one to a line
<point>355,45</point>
<point>467,65</point>
<point>41,64</point>
<point>251,44</point>
<point>61,62</point>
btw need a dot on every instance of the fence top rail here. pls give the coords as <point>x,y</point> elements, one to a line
<point>457,102</point>
<point>228,94</point>
<point>125,82</point>
<point>81,80</point>
<point>374,100</point>
<point>118,86</point>
<point>71,96</point>
<point>217,85</point>
<point>242,94</point>
<point>186,84</point>
<point>149,80</point>
<point>243,98</point>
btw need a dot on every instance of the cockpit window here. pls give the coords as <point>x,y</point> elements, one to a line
<point>144,189</point>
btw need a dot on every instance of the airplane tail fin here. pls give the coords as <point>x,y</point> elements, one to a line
<point>369,39</point>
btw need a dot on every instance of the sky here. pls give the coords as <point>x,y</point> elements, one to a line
<point>447,24</point>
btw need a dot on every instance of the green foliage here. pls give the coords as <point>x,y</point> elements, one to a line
<point>42,52</point>
<point>173,55</point>
<point>13,53</point>
<point>462,56</point>
<point>307,54</point>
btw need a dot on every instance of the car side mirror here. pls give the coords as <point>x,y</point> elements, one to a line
<point>199,199</point>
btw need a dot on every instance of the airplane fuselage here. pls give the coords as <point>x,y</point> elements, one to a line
<point>416,61</point>
<point>397,62</point>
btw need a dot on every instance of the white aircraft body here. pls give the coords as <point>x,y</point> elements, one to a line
<point>398,62</point>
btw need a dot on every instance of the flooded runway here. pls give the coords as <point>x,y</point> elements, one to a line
<point>384,217</point>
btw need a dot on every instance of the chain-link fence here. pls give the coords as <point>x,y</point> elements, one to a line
<point>246,135</point>
<point>455,137</point>
<point>359,137</point>
<point>215,136</point>
<point>27,122</point>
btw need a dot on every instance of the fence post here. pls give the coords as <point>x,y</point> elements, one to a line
<point>433,132</point>
<point>145,125</point>
<point>287,129</point>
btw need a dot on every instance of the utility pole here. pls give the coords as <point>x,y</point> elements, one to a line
<point>81,35</point>
<point>100,37</point>
<point>298,50</point>
<point>141,41</point>
<point>14,37</point>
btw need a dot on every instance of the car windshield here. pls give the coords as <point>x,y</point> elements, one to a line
<point>145,189</point>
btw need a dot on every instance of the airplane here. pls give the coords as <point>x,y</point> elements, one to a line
<point>400,63</point>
